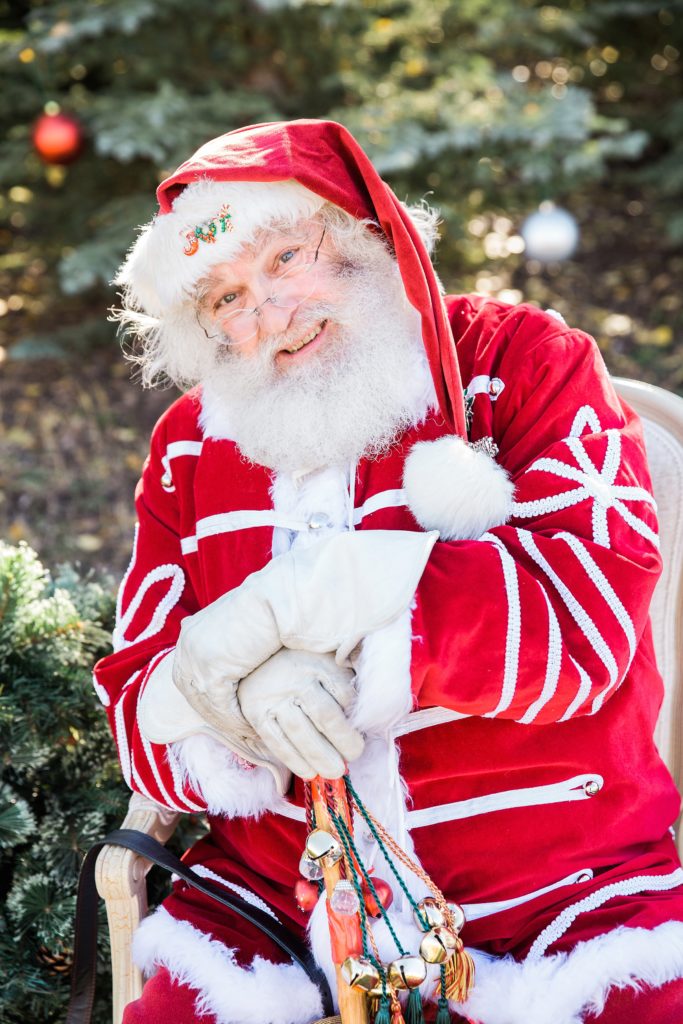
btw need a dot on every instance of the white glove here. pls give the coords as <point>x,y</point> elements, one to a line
<point>323,599</point>
<point>166,716</point>
<point>296,702</point>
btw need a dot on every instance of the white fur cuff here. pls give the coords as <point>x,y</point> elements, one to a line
<point>383,677</point>
<point>229,789</point>
<point>455,489</point>
<point>158,270</point>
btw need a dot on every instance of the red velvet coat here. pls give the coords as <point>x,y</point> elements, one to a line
<point>545,789</point>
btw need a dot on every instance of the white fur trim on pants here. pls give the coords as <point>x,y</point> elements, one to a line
<point>265,993</point>
<point>564,987</point>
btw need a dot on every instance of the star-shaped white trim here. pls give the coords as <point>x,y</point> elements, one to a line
<point>594,483</point>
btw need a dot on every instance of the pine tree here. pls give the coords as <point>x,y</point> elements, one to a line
<point>494,105</point>
<point>60,785</point>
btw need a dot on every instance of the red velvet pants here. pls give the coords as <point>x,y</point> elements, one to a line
<point>163,1000</point>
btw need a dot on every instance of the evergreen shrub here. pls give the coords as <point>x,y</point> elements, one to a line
<point>60,784</point>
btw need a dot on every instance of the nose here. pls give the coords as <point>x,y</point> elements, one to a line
<point>272,318</point>
<point>269,317</point>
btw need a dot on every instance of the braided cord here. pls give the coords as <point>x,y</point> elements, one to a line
<point>310,809</point>
<point>340,823</point>
<point>367,937</point>
<point>396,850</point>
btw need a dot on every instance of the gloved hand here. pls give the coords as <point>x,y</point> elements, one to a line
<point>295,702</point>
<point>165,716</point>
<point>322,599</point>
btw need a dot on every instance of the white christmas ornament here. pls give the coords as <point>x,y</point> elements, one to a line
<point>550,234</point>
<point>344,899</point>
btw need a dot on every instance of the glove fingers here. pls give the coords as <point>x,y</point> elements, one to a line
<point>339,683</point>
<point>321,755</point>
<point>330,720</point>
<point>278,743</point>
<point>341,691</point>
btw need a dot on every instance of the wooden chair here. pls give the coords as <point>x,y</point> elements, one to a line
<point>662,417</point>
<point>121,873</point>
<point>121,882</point>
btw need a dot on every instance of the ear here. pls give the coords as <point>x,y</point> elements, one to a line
<point>455,488</point>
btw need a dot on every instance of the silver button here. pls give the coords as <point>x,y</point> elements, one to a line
<point>592,787</point>
<point>495,387</point>
<point>167,480</point>
<point>318,521</point>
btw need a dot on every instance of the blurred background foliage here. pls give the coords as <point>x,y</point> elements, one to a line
<point>487,107</point>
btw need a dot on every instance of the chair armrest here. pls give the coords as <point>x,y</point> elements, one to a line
<point>120,876</point>
<point>119,873</point>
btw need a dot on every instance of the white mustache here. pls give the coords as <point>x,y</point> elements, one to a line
<point>303,322</point>
<point>305,318</point>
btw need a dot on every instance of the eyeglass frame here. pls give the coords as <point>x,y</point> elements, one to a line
<point>256,310</point>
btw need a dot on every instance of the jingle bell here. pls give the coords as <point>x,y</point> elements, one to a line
<point>360,973</point>
<point>438,945</point>
<point>310,868</point>
<point>305,894</point>
<point>431,912</point>
<point>383,890</point>
<point>323,847</point>
<point>457,921</point>
<point>407,971</point>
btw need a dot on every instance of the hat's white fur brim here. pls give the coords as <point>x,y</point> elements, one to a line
<point>158,273</point>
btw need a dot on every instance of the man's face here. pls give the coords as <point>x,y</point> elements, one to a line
<point>272,294</point>
<point>315,356</point>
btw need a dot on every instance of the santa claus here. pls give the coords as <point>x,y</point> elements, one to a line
<point>346,556</point>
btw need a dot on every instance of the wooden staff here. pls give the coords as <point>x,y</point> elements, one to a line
<point>344,930</point>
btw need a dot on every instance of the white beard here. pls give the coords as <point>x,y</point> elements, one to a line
<point>352,398</point>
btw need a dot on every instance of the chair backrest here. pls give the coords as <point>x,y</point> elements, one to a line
<point>662,416</point>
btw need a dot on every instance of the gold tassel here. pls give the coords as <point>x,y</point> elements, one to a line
<point>459,974</point>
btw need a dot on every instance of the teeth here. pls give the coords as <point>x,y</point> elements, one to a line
<point>305,341</point>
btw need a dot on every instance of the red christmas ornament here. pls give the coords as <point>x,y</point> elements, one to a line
<point>305,894</point>
<point>383,890</point>
<point>57,138</point>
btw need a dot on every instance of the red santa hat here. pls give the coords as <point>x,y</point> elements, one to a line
<point>304,163</point>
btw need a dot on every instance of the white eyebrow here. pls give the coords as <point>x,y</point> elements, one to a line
<point>264,237</point>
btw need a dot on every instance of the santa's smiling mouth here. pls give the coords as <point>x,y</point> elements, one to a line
<point>306,340</point>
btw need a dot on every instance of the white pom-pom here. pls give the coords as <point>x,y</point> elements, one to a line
<point>455,489</point>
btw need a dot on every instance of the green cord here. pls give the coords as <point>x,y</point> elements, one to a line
<point>342,826</point>
<point>442,1015</point>
<point>367,952</point>
<point>359,804</point>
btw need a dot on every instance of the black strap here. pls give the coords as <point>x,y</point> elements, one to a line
<point>85,938</point>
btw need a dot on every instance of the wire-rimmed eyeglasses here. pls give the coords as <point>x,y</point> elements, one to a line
<point>238,324</point>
